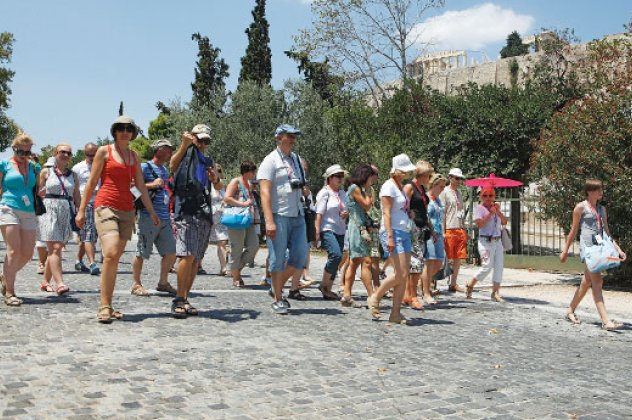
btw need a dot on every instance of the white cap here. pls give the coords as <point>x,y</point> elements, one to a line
<point>333,170</point>
<point>402,163</point>
<point>50,162</point>
<point>456,172</point>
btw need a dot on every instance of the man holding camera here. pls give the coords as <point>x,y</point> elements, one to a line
<point>192,170</point>
<point>281,181</point>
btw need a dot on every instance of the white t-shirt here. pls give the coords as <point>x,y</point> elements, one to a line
<point>82,170</point>
<point>493,225</point>
<point>280,169</point>
<point>329,204</point>
<point>399,211</point>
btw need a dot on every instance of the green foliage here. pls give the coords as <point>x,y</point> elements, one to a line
<point>8,128</point>
<point>209,86</point>
<point>256,64</point>
<point>318,74</point>
<point>592,138</point>
<point>160,127</point>
<point>514,46</point>
<point>513,71</point>
<point>142,146</point>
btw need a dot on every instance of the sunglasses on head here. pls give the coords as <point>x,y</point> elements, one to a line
<point>125,128</point>
<point>19,152</point>
<point>65,153</point>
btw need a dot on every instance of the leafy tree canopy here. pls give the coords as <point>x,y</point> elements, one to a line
<point>256,64</point>
<point>514,46</point>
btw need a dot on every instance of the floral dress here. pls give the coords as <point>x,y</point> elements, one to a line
<point>219,232</point>
<point>358,247</point>
<point>54,225</point>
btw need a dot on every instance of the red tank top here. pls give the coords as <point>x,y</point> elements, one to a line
<point>116,180</point>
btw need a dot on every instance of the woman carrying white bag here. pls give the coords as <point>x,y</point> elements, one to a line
<point>240,217</point>
<point>591,219</point>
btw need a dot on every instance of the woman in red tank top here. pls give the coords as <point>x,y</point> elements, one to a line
<point>118,168</point>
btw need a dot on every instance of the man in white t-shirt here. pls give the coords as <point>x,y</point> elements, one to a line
<point>281,181</point>
<point>87,234</point>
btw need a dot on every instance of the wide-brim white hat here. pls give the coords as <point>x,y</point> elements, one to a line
<point>402,163</point>
<point>333,170</point>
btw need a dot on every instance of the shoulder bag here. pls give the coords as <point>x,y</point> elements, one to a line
<point>234,217</point>
<point>38,202</point>
<point>71,206</point>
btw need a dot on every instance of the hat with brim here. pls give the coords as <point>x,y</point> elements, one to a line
<point>50,162</point>
<point>287,129</point>
<point>456,172</point>
<point>123,119</point>
<point>402,163</point>
<point>333,170</point>
<point>160,143</point>
<point>202,131</point>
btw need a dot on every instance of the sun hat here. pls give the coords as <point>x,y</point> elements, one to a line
<point>435,178</point>
<point>456,172</point>
<point>334,169</point>
<point>123,119</point>
<point>286,128</point>
<point>202,131</point>
<point>161,142</point>
<point>402,163</point>
<point>50,162</point>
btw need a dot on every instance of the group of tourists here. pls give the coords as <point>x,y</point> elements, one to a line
<point>178,201</point>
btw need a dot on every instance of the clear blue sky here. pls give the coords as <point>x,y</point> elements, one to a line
<point>76,59</point>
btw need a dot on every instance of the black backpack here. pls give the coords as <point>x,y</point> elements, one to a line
<point>192,198</point>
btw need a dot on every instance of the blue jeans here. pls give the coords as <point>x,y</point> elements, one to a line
<point>291,235</point>
<point>333,244</point>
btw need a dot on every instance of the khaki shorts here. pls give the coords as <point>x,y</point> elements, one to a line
<point>109,220</point>
<point>456,244</point>
<point>10,216</point>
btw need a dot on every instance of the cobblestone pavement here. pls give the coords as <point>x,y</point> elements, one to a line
<point>462,359</point>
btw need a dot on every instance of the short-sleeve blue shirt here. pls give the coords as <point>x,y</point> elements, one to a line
<point>13,187</point>
<point>161,199</point>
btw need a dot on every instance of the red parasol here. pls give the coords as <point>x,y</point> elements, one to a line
<point>493,181</point>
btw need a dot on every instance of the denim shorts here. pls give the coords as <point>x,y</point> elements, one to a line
<point>291,235</point>
<point>403,243</point>
<point>435,250</point>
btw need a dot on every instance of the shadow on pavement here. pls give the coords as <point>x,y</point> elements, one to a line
<point>316,311</point>
<point>526,301</point>
<point>50,300</point>
<point>231,315</point>
<point>142,317</point>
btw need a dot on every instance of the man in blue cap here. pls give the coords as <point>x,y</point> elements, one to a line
<point>281,181</point>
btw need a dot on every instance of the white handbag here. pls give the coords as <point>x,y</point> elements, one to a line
<point>505,238</point>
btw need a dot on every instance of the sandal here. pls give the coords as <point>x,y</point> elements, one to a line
<point>612,325</point>
<point>399,319</point>
<point>167,288</point>
<point>189,309</point>
<point>296,295</point>
<point>374,307</point>
<point>572,318</point>
<point>106,314</point>
<point>416,304</point>
<point>61,289</point>
<point>178,309</point>
<point>430,301</point>
<point>239,283</point>
<point>46,287</point>
<point>497,298</point>
<point>139,290</point>
<point>468,291</point>
<point>348,302</point>
<point>12,300</point>
<point>328,294</point>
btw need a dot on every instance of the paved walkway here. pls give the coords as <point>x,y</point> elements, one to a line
<point>462,359</point>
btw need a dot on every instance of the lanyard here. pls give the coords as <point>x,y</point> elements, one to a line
<point>290,166</point>
<point>125,162</point>
<point>459,204</point>
<point>24,172</point>
<point>406,205</point>
<point>596,214</point>
<point>337,194</point>
<point>421,193</point>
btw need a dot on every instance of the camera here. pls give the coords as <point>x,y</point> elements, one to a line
<point>296,184</point>
<point>371,224</point>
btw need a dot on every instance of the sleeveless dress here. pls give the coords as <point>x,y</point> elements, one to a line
<point>54,225</point>
<point>116,180</point>
<point>590,226</point>
<point>358,247</point>
<point>219,232</point>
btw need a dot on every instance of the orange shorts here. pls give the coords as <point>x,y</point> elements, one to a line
<point>456,244</point>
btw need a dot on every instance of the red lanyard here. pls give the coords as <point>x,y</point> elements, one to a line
<point>120,152</point>
<point>24,172</point>
<point>421,193</point>
<point>406,205</point>
<point>338,197</point>
<point>596,214</point>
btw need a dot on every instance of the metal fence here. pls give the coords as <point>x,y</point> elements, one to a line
<point>532,232</point>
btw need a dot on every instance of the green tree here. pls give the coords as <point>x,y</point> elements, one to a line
<point>256,64</point>
<point>318,75</point>
<point>8,128</point>
<point>209,86</point>
<point>514,46</point>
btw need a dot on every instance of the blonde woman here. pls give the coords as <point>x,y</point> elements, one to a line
<point>61,197</point>
<point>416,193</point>
<point>591,220</point>
<point>396,239</point>
<point>18,177</point>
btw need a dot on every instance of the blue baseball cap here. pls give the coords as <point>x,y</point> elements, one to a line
<point>286,128</point>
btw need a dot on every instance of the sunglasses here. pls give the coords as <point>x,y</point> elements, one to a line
<point>65,153</point>
<point>125,128</point>
<point>338,176</point>
<point>487,196</point>
<point>19,152</point>
<point>204,141</point>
